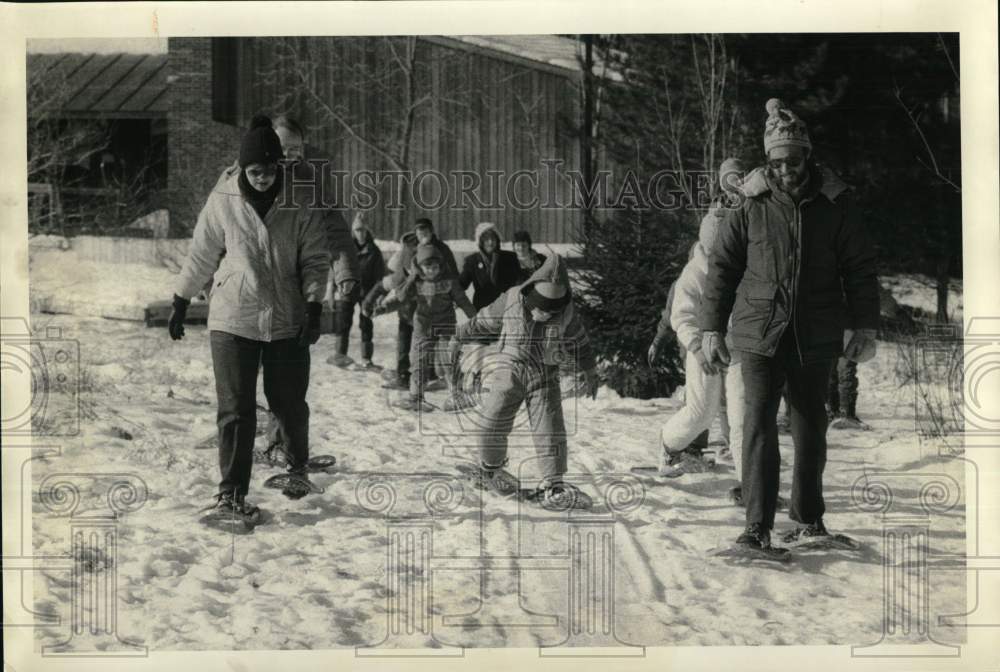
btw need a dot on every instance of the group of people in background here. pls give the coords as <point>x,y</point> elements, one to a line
<point>782,276</point>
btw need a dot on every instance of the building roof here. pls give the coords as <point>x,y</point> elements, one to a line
<point>124,85</point>
<point>555,52</point>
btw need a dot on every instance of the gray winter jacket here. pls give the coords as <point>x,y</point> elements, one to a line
<point>265,270</point>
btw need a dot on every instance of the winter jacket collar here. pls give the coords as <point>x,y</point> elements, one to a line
<point>823,181</point>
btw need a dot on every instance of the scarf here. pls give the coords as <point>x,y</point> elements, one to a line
<point>261,201</point>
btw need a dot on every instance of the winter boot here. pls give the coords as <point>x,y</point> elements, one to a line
<point>434,384</point>
<point>555,495</point>
<point>815,535</point>
<point>397,382</point>
<point>231,504</point>
<point>339,360</point>
<point>414,403</point>
<point>849,420</point>
<point>688,461</point>
<point>496,479</point>
<point>803,533</point>
<point>756,539</point>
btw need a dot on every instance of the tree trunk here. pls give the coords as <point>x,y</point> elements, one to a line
<point>943,280</point>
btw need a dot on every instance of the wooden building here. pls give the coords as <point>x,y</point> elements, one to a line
<point>500,111</point>
<point>97,124</point>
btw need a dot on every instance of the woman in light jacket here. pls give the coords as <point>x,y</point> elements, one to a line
<point>269,254</point>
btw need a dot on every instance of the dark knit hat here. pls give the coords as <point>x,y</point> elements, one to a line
<point>260,144</point>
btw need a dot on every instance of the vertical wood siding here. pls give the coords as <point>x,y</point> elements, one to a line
<point>484,113</point>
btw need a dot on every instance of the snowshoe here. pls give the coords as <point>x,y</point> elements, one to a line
<point>849,422</point>
<point>496,480</point>
<point>368,366</point>
<point>563,497</point>
<point>397,383</point>
<point>815,536</point>
<point>413,404</point>
<point>340,361</point>
<point>324,464</point>
<point>293,485</point>
<point>754,544</point>
<point>435,385</point>
<point>232,513</point>
<point>683,462</point>
<point>275,455</point>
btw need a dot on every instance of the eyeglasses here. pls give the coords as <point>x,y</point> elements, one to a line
<point>789,161</point>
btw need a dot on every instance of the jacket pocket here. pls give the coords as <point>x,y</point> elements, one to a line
<point>753,310</point>
<point>227,298</point>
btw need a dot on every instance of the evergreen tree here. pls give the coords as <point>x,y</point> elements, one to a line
<point>670,111</point>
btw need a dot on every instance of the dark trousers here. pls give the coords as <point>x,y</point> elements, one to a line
<point>843,392</point>
<point>763,378</point>
<point>236,361</point>
<point>345,319</point>
<point>404,339</point>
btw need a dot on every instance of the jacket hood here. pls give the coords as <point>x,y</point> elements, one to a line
<point>553,269</point>
<point>228,182</point>
<point>484,228</point>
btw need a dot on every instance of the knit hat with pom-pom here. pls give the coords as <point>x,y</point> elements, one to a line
<point>783,128</point>
<point>261,144</point>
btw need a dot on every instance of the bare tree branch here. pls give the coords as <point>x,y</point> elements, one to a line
<point>947,55</point>
<point>933,167</point>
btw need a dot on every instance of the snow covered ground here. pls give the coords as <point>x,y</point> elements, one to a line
<point>320,572</point>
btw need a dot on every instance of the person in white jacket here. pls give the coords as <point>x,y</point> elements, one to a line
<point>704,382</point>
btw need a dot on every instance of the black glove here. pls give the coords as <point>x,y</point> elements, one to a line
<point>311,332</point>
<point>175,325</point>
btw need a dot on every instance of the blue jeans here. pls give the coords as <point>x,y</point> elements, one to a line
<point>763,379</point>
<point>236,361</point>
